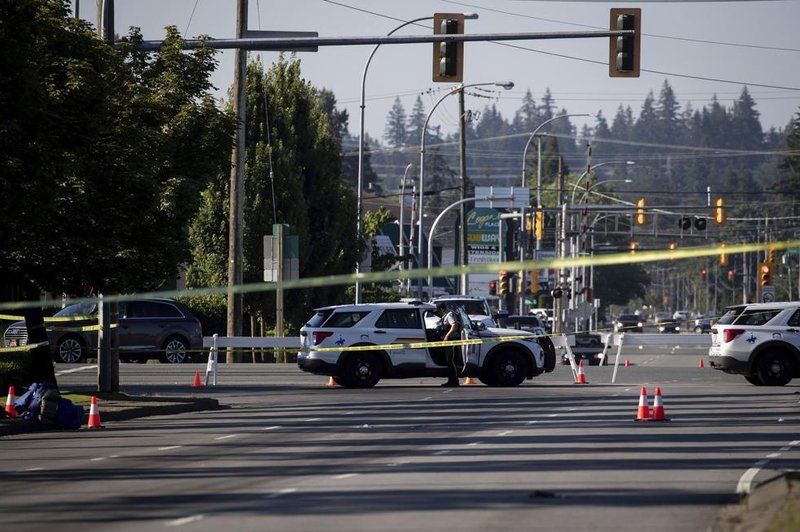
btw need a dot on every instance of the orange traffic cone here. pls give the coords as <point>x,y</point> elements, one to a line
<point>701,364</point>
<point>197,383</point>
<point>10,403</point>
<point>94,415</point>
<point>644,410</point>
<point>581,374</point>
<point>627,363</point>
<point>469,380</point>
<point>658,407</point>
<point>331,382</point>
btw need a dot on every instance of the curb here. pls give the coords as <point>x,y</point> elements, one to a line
<point>133,408</point>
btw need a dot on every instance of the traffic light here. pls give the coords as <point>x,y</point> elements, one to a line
<point>521,288</point>
<point>641,214</point>
<point>492,288</point>
<point>704,274</point>
<point>503,287</point>
<point>700,223</point>
<point>685,223</point>
<point>634,247</point>
<point>720,211</point>
<point>772,256</point>
<point>764,274</point>
<point>723,257</point>
<point>731,275</point>
<point>538,224</point>
<point>448,57</point>
<point>623,51</point>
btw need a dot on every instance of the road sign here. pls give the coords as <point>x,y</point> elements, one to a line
<point>768,294</point>
<point>502,197</point>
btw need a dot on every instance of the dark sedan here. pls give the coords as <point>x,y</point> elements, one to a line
<point>669,326</point>
<point>629,323</point>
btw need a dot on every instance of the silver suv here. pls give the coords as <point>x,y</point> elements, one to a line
<point>760,341</point>
<point>358,345</point>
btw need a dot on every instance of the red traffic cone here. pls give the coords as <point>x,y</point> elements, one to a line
<point>94,415</point>
<point>581,374</point>
<point>701,364</point>
<point>644,411</point>
<point>197,383</point>
<point>627,363</point>
<point>658,407</point>
<point>10,403</point>
<point>469,380</point>
<point>331,382</point>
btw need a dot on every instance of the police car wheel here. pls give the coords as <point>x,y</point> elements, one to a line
<point>774,368</point>
<point>362,370</point>
<point>508,369</point>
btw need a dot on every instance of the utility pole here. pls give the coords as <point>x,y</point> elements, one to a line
<point>462,156</point>
<point>236,215</point>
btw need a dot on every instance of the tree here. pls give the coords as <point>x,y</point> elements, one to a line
<point>101,151</point>
<point>293,176</point>
<point>383,291</point>
<point>395,133</point>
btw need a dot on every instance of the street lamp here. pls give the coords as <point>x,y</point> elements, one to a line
<point>360,183</point>
<point>402,236</point>
<point>588,189</point>
<point>506,85</point>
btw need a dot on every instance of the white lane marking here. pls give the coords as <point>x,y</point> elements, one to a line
<point>745,481</point>
<point>35,469</point>
<point>552,415</point>
<point>285,491</point>
<point>344,476</point>
<point>97,459</point>
<point>533,422</point>
<point>170,447</point>
<point>75,370</point>
<point>439,453</point>
<point>795,442</point>
<point>427,398</point>
<point>229,436</point>
<point>505,433</point>
<point>312,419</point>
<point>185,520</point>
<point>273,427</point>
<point>398,463</point>
<point>474,443</point>
<point>773,455</point>
<point>784,449</point>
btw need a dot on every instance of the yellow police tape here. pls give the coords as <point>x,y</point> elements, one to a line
<point>49,319</point>
<point>444,271</point>
<point>415,345</point>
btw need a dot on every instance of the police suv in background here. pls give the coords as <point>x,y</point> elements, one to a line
<point>504,357</point>
<point>760,341</point>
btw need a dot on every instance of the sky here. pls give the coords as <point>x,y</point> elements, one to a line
<point>730,44</point>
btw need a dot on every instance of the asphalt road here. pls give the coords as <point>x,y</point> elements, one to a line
<point>293,454</point>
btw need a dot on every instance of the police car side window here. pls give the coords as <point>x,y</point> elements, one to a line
<point>345,319</point>
<point>399,319</point>
<point>794,321</point>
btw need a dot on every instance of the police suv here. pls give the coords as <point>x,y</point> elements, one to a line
<point>358,345</point>
<point>760,341</point>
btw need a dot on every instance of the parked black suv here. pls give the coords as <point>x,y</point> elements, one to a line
<point>146,328</point>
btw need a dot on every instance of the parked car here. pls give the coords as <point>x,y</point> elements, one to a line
<point>760,341</point>
<point>682,315</point>
<point>669,326</point>
<point>372,328</point>
<point>146,328</point>
<point>628,323</point>
<point>702,325</point>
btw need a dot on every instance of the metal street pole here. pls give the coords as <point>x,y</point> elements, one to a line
<point>462,158</point>
<point>506,85</point>
<point>402,236</point>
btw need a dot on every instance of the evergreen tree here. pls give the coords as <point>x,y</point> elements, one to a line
<point>416,121</point>
<point>395,133</point>
<point>745,125</point>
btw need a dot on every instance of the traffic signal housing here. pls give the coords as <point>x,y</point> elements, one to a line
<point>764,274</point>
<point>503,286</point>
<point>492,288</point>
<point>623,51</point>
<point>448,57</point>
<point>704,273</point>
<point>538,224</point>
<point>641,212</point>
<point>720,211</point>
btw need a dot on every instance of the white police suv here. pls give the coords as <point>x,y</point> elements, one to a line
<point>760,341</point>
<point>358,345</point>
